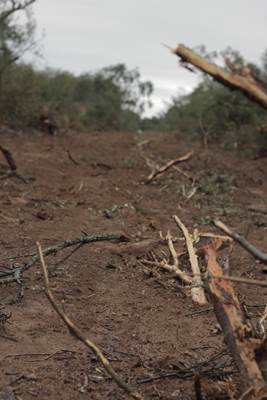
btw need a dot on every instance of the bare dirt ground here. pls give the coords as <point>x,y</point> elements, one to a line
<point>142,318</point>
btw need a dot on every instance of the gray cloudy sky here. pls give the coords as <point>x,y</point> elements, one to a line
<point>83,35</point>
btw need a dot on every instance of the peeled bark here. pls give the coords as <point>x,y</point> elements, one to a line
<point>248,351</point>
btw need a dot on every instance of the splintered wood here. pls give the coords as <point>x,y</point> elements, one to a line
<point>197,290</point>
<point>248,352</point>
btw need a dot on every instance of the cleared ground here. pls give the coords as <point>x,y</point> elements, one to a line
<point>140,316</point>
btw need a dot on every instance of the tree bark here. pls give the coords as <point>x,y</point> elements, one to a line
<point>248,351</point>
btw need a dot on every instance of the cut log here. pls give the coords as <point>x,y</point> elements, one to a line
<point>247,350</point>
<point>238,79</point>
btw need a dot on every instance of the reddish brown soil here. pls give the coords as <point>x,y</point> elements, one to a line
<point>141,317</point>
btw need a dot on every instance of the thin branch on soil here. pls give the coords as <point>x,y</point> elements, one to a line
<point>199,312</point>
<point>242,241</point>
<point>177,273</point>
<point>12,339</point>
<point>72,159</point>
<point>11,174</point>
<point>165,167</point>
<point>255,282</point>
<point>259,209</point>
<point>79,334</point>
<point>9,158</point>
<point>214,236</point>
<point>12,166</point>
<point>14,275</point>
<point>197,291</point>
<point>183,172</point>
<point>212,368</point>
<point>69,255</point>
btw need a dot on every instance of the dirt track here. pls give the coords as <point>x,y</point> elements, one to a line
<point>139,316</point>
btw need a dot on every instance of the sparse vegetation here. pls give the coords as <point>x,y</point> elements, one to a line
<point>116,97</point>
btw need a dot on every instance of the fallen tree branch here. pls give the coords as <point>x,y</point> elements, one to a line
<point>14,275</point>
<point>247,351</point>
<point>197,290</point>
<point>164,168</point>
<point>76,332</point>
<point>242,79</point>
<point>242,241</point>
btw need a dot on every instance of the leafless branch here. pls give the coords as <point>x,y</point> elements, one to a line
<point>14,275</point>
<point>165,167</point>
<point>14,7</point>
<point>76,332</point>
<point>242,241</point>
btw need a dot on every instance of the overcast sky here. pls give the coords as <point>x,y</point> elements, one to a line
<point>84,35</point>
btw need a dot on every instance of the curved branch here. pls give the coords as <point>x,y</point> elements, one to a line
<point>79,334</point>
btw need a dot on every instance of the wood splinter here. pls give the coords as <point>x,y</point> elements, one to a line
<point>197,290</point>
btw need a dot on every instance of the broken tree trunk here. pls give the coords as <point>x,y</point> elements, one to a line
<point>247,351</point>
<point>238,79</point>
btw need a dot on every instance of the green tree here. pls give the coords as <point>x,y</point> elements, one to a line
<point>135,93</point>
<point>16,32</point>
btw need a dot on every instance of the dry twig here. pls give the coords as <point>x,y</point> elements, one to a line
<point>14,275</point>
<point>71,158</point>
<point>242,241</point>
<point>198,294</point>
<point>164,168</point>
<point>255,282</point>
<point>80,336</point>
<point>164,263</point>
<point>9,158</point>
<point>174,268</point>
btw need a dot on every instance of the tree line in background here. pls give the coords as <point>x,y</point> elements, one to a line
<point>213,111</point>
<point>114,97</point>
